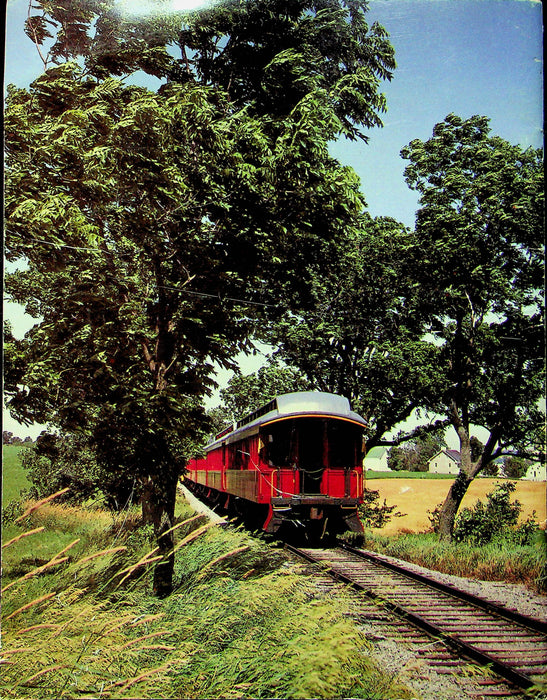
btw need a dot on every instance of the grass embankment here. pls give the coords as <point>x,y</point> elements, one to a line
<point>491,562</point>
<point>79,620</point>
<point>409,537</point>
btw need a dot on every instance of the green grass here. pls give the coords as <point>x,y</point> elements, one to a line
<point>14,478</point>
<point>371,474</point>
<point>492,562</point>
<point>242,622</point>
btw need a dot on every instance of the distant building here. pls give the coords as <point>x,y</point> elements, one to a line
<point>445,462</point>
<point>376,459</point>
<point>535,472</point>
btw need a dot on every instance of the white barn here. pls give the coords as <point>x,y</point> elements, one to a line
<point>376,459</point>
<point>445,462</point>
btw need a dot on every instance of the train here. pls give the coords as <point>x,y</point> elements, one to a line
<point>295,465</point>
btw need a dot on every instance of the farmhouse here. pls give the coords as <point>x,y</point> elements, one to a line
<point>376,459</point>
<point>535,472</point>
<point>445,462</point>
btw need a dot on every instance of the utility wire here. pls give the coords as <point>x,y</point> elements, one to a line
<point>172,289</point>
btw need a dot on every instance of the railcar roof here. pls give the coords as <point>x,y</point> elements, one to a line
<point>300,403</point>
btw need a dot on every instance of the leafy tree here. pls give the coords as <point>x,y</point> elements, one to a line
<point>361,338</point>
<point>57,462</point>
<point>219,418</point>
<point>415,455</point>
<point>478,263</point>
<point>515,467</point>
<point>154,225</point>
<point>490,469</point>
<point>246,393</point>
<point>402,458</point>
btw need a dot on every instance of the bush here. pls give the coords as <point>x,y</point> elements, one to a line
<point>12,511</point>
<point>494,521</point>
<point>56,462</point>
<point>374,514</point>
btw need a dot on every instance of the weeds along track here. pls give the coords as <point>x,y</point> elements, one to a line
<point>510,644</point>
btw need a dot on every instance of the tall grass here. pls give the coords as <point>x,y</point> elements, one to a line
<point>78,619</point>
<point>491,562</point>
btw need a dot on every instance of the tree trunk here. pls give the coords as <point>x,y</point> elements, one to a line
<point>451,504</point>
<point>468,471</point>
<point>158,508</point>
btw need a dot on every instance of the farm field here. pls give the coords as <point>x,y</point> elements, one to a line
<point>14,478</point>
<point>415,497</point>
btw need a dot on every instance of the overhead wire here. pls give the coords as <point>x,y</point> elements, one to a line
<point>190,292</point>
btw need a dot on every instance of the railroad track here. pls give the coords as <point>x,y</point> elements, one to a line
<point>510,644</point>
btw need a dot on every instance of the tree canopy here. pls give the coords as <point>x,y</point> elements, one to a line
<point>479,264</point>
<point>246,393</point>
<point>444,323</point>
<point>154,225</point>
<point>362,338</point>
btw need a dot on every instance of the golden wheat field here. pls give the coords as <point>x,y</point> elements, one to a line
<point>415,497</point>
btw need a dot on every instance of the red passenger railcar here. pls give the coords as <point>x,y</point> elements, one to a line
<point>297,461</point>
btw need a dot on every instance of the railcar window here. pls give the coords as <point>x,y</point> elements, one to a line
<point>239,455</point>
<point>278,445</point>
<point>344,442</point>
<point>311,444</point>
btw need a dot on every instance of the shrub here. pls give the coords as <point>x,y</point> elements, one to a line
<point>494,521</point>
<point>56,462</point>
<point>374,514</point>
<point>12,511</point>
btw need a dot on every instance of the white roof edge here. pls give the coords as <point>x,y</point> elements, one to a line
<point>295,403</point>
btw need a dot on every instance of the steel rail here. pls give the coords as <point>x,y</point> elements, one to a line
<point>488,606</point>
<point>463,648</point>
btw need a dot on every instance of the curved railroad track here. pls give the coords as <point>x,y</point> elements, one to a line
<point>510,644</point>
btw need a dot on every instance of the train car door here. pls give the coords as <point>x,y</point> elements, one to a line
<point>311,454</point>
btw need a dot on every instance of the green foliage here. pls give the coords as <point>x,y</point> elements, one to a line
<point>478,259</point>
<point>244,621</point>
<point>267,55</point>
<point>270,53</point>
<point>246,393</point>
<point>415,455</point>
<point>156,225</point>
<point>478,262</point>
<point>374,514</point>
<point>57,462</point>
<point>360,337</point>
<point>496,520</point>
<point>515,467</point>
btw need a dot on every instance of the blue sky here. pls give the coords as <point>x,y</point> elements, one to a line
<point>463,56</point>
